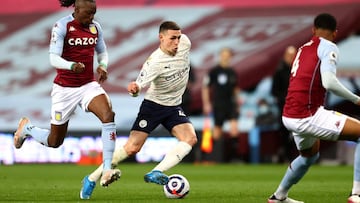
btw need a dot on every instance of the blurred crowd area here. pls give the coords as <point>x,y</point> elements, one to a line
<point>257,36</point>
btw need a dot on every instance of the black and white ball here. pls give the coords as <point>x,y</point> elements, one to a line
<point>177,187</point>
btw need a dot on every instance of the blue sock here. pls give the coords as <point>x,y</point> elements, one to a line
<point>294,173</point>
<point>39,134</point>
<point>357,162</point>
<point>108,137</point>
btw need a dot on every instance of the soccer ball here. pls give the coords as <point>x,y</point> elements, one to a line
<point>177,187</point>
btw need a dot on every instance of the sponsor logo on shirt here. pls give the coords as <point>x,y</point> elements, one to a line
<point>82,41</point>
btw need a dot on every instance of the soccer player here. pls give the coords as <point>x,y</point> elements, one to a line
<point>166,74</point>
<point>313,73</point>
<point>74,40</point>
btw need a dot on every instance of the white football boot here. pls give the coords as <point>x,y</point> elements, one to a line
<point>354,199</point>
<point>273,199</point>
<point>109,177</point>
<point>19,135</point>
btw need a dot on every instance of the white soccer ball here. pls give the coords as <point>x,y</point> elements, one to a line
<point>177,187</point>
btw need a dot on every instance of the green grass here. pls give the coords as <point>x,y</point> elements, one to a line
<point>209,184</point>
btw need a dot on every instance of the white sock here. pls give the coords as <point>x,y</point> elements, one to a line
<point>174,156</point>
<point>118,156</point>
<point>281,193</point>
<point>95,176</point>
<point>356,188</point>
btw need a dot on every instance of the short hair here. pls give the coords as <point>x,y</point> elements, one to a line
<point>325,21</point>
<point>168,25</point>
<point>68,3</point>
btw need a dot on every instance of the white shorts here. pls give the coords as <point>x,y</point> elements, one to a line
<point>324,125</point>
<point>66,99</point>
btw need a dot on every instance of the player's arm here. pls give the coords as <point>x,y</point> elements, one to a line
<point>331,83</point>
<point>55,51</point>
<point>149,71</point>
<point>328,53</point>
<point>102,55</point>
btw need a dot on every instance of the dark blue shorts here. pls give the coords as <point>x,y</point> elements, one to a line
<point>152,114</point>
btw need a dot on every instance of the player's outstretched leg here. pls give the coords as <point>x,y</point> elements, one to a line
<point>87,188</point>
<point>157,177</point>
<point>273,199</point>
<point>109,177</point>
<point>20,134</point>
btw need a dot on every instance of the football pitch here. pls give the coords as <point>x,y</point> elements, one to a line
<point>209,183</point>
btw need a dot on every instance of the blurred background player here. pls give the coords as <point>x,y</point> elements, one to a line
<point>166,72</point>
<point>313,73</point>
<point>220,96</point>
<point>74,40</point>
<point>280,83</point>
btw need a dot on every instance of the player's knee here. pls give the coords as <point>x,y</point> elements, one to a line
<point>132,150</point>
<point>191,140</point>
<point>107,117</point>
<point>55,144</point>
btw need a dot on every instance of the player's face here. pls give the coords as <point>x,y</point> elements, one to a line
<point>169,41</point>
<point>85,12</point>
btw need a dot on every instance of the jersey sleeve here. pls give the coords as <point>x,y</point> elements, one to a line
<point>148,73</point>
<point>328,54</point>
<point>58,33</point>
<point>100,45</point>
<point>185,42</point>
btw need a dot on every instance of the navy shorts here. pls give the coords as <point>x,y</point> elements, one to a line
<point>152,114</point>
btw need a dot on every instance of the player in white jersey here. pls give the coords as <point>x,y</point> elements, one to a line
<point>166,73</point>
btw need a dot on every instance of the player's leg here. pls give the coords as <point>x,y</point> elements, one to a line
<point>351,132</point>
<point>187,138</point>
<point>133,145</point>
<point>176,122</point>
<point>26,129</point>
<point>326,125</point>
<point>179,126</point>
<point>296,170</point>
<point>100,105</point>
<point>138,135</point>
<point>95,100</point>
<point>185,133</point>
<point>60,114</point>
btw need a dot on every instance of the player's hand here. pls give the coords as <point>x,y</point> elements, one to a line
<point>78,67</point>
<point>133,89</point>
<point>358,103</point>
<point>103,74</point>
